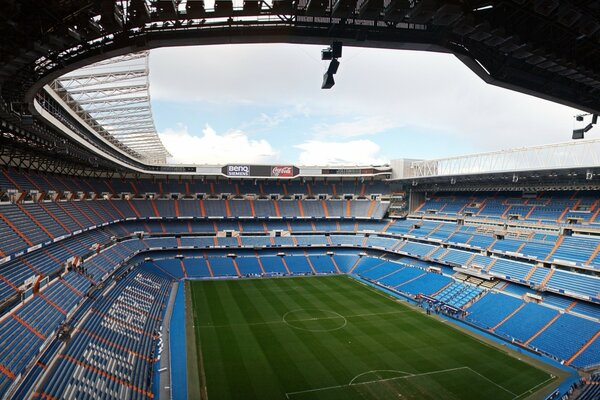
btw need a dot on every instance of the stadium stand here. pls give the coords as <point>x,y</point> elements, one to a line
<point>122,328</point>
<point>59,231</point>
<point>22,181</point>
<point>95,228</point>
<point>591,388</point>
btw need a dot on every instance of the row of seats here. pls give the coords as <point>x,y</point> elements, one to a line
<point>591,390</point>
<point>115,346</point>
<point>18,270</point>
<point>27,181</point>
<point>49,260</point>
<point>504,268</point>
<point>509,269</point>
<point>565,336</point>
<point>201,265</point>
<point>27,328</point>
<point>533,245</point>
<point>559,280</point>
<point>29,224</point>
<point>458,294</point>
<point>415,280</point>
<point>550,208</point>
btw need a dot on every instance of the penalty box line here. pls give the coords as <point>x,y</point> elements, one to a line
<point>287,395</point>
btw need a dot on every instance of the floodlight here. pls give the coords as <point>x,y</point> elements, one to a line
<point>328,81</point>
<point>578,134</point>
<point>331,53</point>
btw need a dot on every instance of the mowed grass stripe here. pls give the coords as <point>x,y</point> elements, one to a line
<point>271,338</point>
<point>325,345</point>
<point>301,343</point>
<point>248,355</point>
<point>377,334</point>
<point>223,346</point>
<point>287,343</point>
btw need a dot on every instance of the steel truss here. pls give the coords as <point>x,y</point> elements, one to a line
<point>113,97</point>
<point>20,156</point>
<point>576,154</point>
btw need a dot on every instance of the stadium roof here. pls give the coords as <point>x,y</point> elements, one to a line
<point>549,49</point>
<point>544,48</point>
<point>113,97</point>
<point>575,154</point>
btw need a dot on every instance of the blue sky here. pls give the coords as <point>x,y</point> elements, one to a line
<point>263,104</point>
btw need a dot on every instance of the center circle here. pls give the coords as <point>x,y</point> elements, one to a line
<point>314,320</point>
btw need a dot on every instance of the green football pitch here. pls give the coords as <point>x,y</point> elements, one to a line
<point>335,338</point>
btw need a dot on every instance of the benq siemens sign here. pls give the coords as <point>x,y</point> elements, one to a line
<point>237,170</point>
<point>267,171</point>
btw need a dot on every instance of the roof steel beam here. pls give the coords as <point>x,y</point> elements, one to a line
<point>113,98</point>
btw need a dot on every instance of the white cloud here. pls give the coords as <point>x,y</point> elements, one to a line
<point>356,127</point>
<point>212,148</point>
<point>355,152</point>
<point>266,121</point>
<point>376,89</point>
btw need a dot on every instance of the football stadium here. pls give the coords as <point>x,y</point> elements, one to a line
<point>126,276</point>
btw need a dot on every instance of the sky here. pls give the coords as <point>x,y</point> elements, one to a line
<point>262,104</point>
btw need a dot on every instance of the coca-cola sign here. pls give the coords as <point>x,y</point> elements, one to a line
<point>282,171</point>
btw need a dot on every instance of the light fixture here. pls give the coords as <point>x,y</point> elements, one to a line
<point>331,53</point>
<point>580,132</point>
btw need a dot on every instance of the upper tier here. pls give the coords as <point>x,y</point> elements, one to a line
<point>28,181</point>
<point>24,225</point>
<point>552,208</point>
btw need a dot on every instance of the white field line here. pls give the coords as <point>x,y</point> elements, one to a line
<point>491,381</point>
<point>281,321</point>
<point>531,390</point>
<point>287,395</point>
<point>378,370</point>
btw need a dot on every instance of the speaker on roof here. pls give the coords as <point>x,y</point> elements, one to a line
<point>223,7</point>
<point>139,13</point>
<point>252,6</point>
<point>336,49</point>
<point>195,8</point>
<point>166,8</point>
<point>282,6</point>
<point>111,17</point>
